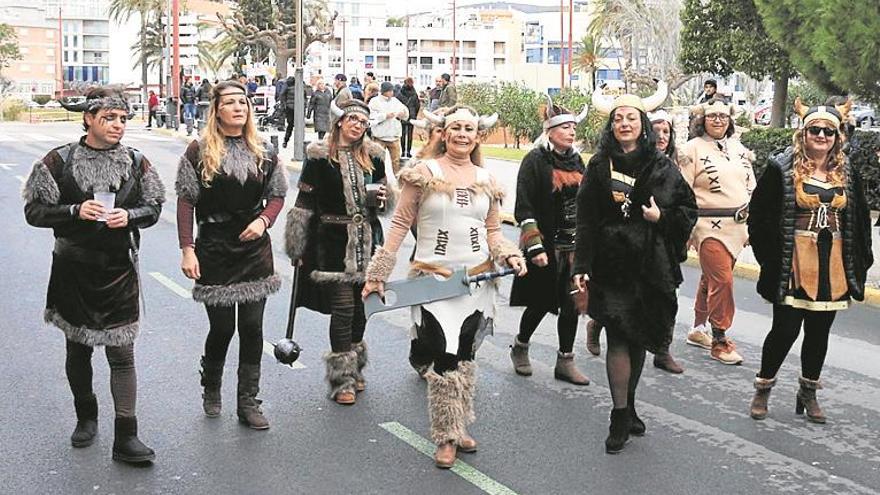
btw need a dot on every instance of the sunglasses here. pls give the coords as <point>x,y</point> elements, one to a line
<point>815,130</point>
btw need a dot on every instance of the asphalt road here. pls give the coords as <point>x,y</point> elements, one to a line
<point>537,435</point>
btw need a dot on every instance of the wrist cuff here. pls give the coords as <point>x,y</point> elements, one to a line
<point>381,266</point>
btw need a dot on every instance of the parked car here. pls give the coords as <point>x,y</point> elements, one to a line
<point>52,104</point>
<point>762,115</point>
<point>863,116</point>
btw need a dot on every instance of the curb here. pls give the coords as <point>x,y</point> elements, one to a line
<point>750,271</point>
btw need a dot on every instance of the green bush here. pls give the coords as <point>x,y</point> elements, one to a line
<point>11,108</point>
<point>42,99</point>
<point>765,142</point>
<point>864,147</point>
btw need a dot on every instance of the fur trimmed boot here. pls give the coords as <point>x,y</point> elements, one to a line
<point>593,331</point>
<point>249,411</point>
<point>758,407</point>
<point>342,375</point>
<point>806,399</point>
<point>519,355</point>
<point>468,444</point>
<point>126,445</point>
<point>212,378</point>
<point>618,431</point>
<point>360,348</point>
<point>566,370</point>
<point>86,422</point>
<point>449,411</point>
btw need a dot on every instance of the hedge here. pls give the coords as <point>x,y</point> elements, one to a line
<point>863,149</point>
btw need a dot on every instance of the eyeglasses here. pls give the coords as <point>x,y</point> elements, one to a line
<point>815,130</point>
<point>356,121</point>
<point>718,117</point>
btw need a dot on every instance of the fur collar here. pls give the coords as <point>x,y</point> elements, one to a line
<point>100,170</point>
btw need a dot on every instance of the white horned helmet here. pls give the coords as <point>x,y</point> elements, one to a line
<point>555,115</point>
<point>461,113</point>
<point>607,104</point>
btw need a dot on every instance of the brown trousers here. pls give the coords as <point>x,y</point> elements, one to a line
<point>715,303</point>
<point>393,147</point>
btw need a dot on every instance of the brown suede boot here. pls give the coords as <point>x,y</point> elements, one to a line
<point>566,370</point>
<point>444,457</point>
<point>212,377</point>
<point>758,408</point>
<point>249,411</point>
<point>665,362</point>
<point>519,355</point>
<point>806,399</point>
<point>593,331</point>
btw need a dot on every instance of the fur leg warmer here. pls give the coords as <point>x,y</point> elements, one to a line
<point>361,349</point>
<point>381,266</point>
<point>342,371</point>
<point>450,403</point>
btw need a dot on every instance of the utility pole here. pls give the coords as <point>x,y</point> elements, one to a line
<point>570,31</point>
<point>406,35</point>
<point>344,21</point>
<point>454,44</point>
<point>561,46</point>
<point>299,113</point>
<point>60,55</point>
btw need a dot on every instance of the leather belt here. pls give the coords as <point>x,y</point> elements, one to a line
<point>739,214</point>
<point>65,249</point>
<point>423,267</point>
<point>355,219</point>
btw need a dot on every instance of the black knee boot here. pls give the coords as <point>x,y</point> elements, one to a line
<point>126,445</point>
<point>86,422</point>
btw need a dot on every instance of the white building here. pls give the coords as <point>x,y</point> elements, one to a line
<point>85,39</point>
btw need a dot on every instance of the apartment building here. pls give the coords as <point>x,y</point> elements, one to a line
<point>37,73</point>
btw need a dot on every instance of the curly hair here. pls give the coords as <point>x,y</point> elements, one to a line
<point>803,167</point>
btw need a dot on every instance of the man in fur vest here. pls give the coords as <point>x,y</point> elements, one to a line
<point>719,169</point>
<point>96,194</point>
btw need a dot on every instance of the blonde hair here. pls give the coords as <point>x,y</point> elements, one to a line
<point>803,167</point>
<point>358,148</point>
<point>213,146</point>
<point>476,154</point>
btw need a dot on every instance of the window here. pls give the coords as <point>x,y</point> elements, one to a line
<point>469,47</point>
<point>65,57</point>
<point>499,47</point>
<point>65,41</point>
<point>499,63</point>
<point>75,40</point>
<point>75,56</point>
<point>469,64</point>
<point>412,45</point>
<point>553,55</point>
<point>336,44</point>
<point>335,61</point>
<point>441,61</point>
<point>534,56</point>
<point>603,75</point>
<point>367,44</point>
<point>383,45</point>
<point>412,60</point>
<point>383,62</point>
<point>426,63</point>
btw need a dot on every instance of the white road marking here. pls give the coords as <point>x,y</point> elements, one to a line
<point>172,285</point>
<point>8,166</point>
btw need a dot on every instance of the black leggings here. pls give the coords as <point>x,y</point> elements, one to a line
<point>785,330</point>
<point>347,320</point>
<point>432,341</point>
<point>566,325</point>
<point>123,378</point>
<point>406,139</point>
<point>287,132</point>
<point>250,332</point>
<point>623,364</point>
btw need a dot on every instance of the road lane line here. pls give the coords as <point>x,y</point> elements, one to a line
<point>461,468</point>
<point>269,349</point>
<point>171,285</point>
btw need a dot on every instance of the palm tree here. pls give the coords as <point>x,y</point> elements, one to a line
<point>586,57</point>
<point>122,10</point>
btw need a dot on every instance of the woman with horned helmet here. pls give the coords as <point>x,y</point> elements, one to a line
<point>719,169</point>
<point>546,211</point>
<point>332,231</point>
<point>231,183</point>
<point>454,203</point>
<point>635,213</point>
<point>810,229</point>
<point>664,128</point>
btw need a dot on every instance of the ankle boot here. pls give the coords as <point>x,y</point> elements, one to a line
<point>519,354</point>
<point>618,431</point>
<point>360,383</point>
<point>86,422</point>
<point>593,331</point>
<point>758,407</point>
<point>126,445</point>
<point>665,362</point>
<point>249,411</point>
<point>566,370</point>
<point>212,377</point>
<point>342,376</point>
<point>444,456</point>
<point>637,426</point>
<point>806,399</point>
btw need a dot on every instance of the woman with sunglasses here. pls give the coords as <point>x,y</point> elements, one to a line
<point>332,231</point>
<point>810,229</point>
<point>719,169</point>
<point>454,204</point>
<point>231,182</point>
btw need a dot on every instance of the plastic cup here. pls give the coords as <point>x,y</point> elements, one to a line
<point>108,201</point>
<point>373,196</point>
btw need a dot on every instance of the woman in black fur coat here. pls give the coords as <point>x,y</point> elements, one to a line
<point>635,214</point>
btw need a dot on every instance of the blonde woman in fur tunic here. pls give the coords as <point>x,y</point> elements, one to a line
<point>453,203</point>
<point>332,231</point>
<point>93,287</point>
<point>232,183</point>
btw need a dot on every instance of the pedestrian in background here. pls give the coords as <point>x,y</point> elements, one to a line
<point>371,90</point>
<point>188,98</point>
<point>230,182</point>
<point>153,108</point>
<point>289,99</point>
<point>96,195</point>
<point>634,216</point>
<point>357,91</point>
<point>386,112</point>
<point>331,231</point>
<point>203,97</point>
<point>810,229</point>
<point>719,170</point>
<point>434,95</point>
<point>410,99</point>
<point>319,108</point>
<point>546,212</point>
<point>448,93</point>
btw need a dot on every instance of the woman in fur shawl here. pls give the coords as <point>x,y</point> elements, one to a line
<point>453,202</point>
<point>234,184</point>
<point>635,214</point>
<point>546,211</point>
<point>332,231</point>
